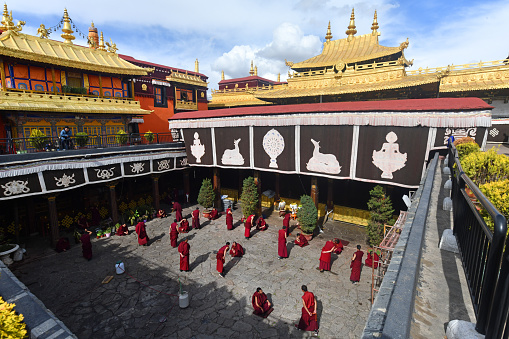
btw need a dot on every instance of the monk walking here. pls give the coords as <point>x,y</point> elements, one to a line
<point>196,218</point>
<point>301,240</point>
<point>220,256</point>
<point>286,223</point>
<point>325,256</point>
<point>86,245</point>
<point>281,244</point>
<point>237,250</point>
<point>247,226</point>
<point>142,234</point>
<point>174,233</point>
<point>308,320</point>
<point>184,255</point>
<point>262,306</point>
<point>356,265</point>
<point>178,210</point>
<point>229,219</point>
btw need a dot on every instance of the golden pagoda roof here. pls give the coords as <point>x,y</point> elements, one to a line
<point>32,48</point>
<point>186,78</point>
<point>359,48</point>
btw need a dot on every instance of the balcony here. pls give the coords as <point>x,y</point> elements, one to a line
<point>186,105</point>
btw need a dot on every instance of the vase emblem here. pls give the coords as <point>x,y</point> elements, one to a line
<point>389,159</point>
<point>197,149</point>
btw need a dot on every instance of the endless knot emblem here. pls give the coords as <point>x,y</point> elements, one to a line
<point>163,165</point>
<point>15,187</point>
<point>494,132</point>
<point>137,167</point>
<point>65,180</point>
<point>105,173</point>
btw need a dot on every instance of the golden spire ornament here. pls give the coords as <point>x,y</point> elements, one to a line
<point>328,36</point>
<point>222,75</point>
<point>251,71</point>
<point>374,26</point>
<point>279,77</point>
<point>256,71</point>
<point>67,29</point>
<point>351,27</point>
<point>101,47</point>
<point>8,24</point>
<point>196,66</point>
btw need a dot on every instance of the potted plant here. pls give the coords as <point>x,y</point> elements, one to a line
<point>380,213</point>
<point>121,137</point>
<point>82,139</point>
<point>308,216</point>
<point>6,249</point>
<point>38,139</point>
<point>206,196</point>
<point>149,136</point>
<point>249,197</point>
<point>107,232</point>
<point>134,217</point>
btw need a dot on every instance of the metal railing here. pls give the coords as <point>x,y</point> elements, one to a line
<point>37,144</point>
<point>480,248</point>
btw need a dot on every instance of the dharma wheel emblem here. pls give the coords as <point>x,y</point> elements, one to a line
<point>274,145</point>
<point>389,159</point>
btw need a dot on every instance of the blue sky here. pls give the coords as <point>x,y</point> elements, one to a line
<point>227,35</point>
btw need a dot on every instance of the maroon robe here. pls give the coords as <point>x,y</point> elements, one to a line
<point>184,255</point>
<point>286,223</point>
<point>356,266</point>
<point>307,322</point>
<point>247,226</point>
<point>184,226</point>
<point>142,233</point>
<point>325,258</point>
<point>339,247</point>
<point>281,244</point>
<point>122,230</point>
<point>372,259</point>
<point>213,215</point>
<point>263,305</point>
<point>229,221</point>
<point>196,219</point>
<point>301,241</point>
<point>173,234</point>
<point>261,224</point>
<point>96,217</point>
<point>86,246</point>
<point>161,214</point>
<point>63,245</point>
<point>237,250</point>
<point>220,258</point>
<point>178,210</point>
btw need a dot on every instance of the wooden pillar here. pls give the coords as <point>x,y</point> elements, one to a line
<point>2,75</point>
<point>100,86</point>
<point>132,89</point>
<point>277,196</point>
<point>258,183</point>
<point>187,184</point>
<point>330,194</point>
<point>217,188</point>
<point>314,190</point>
<point>113,202</point>
<point>155,191</point>
<point>53,80</point>
<point>53,220</point>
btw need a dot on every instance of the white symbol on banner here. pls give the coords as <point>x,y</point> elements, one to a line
<point>183,162</point>
<point>459,133</point>
<point>389,159</point>
<point>197,149</point>
<point>104,174</point>
<point>65,180</point>
<point>137,167</point>
<point>163,165</point>
<point>325,163</point>
<point>494,132</point>
<point>15,187</point>
<point>274,145</point>
<point>233,156</point>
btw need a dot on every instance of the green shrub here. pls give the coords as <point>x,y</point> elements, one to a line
<point>249,197</point>
<point>11,324</point>
<point>380,213</point>
<point>307,215</point>
<point>207,195</point>
<point>466,149</point>
<point>483,167</point>
<point>498,193</point>
<point>149,136</point>
<point>121,137</point>
<point>81,139</point>
<point>38,139</point>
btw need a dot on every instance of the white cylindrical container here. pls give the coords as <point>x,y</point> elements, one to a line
<point>183,299</point>
<point>119,267</point>
<point>18,255</point>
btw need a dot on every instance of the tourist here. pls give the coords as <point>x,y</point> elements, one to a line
<point>356,265</point>
<point>229,219</point>
<point>247,226</point>
<point>196,218</point>
<point>261,224</point>
<point>65,138</point>
<point>220,256</point>
<point>281,244</point>
<point>63,245</point>
<point>123,230</point>
<point>262,306</point>
<point>178,210</point>
<point>174,233</point>
<point>325,256</point>
<point>184,226</point>
<point>142,234</point>
<point>213,214</point>
<point>339,246</point>
<point>161,214</point>
<point>372,259</point>
<point>286,223</point>
<point>301,240</point>
<point>237,250</point>
<point>184,255</point>
<point>308,320</point>
<point>86,245</point>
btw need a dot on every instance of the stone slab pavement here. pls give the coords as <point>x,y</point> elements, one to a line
<point>143,302</point>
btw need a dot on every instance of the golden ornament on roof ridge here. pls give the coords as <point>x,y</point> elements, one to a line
<point>375,26</point>
<point>8,24</point>
<point>328,36</point>
<point>67,29</point>
<point>351,27</point>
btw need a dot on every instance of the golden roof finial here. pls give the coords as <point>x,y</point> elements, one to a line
<point>328,36</point>
<point>196,66</point>
<point>256,71</point>
<point>251,71</point>
<point>222,75</point>
<point>8,24</point>
<point>67,29</point>
<point>351,27</point>
<point>375,26</point>
<point>101,47</point>
<point>279,77</point>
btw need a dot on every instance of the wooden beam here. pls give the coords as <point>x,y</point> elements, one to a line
<point>2,75</point>
<point>53,80</point>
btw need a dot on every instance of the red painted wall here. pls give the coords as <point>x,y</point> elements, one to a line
<point>203,106</point>
<point>157,121</point>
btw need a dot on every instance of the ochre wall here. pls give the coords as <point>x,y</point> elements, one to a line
<point>157,121</point>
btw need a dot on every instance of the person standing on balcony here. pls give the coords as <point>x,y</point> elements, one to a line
<point>65,138</point>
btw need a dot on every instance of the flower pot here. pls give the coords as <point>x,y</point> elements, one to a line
<point>108,235</point>
<point>206,214</point>
<point>5,256</point>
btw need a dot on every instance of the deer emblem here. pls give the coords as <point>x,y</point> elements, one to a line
<point>233,156</point>
<point>325,163</point>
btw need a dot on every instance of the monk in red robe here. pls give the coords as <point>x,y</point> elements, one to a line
<point>301,240</point>
<point>262,306</point>
<point>196,218</point>
<point>356,265</point>
<point>339,246</point>
<point>229,219</point>
<point>286,223</point>
<point>237,250</point>
<point>261,224</point>
<point>213,214</point>
<point>247,226</point>
<point>174,233</point>
<point>220,256</point>
<point>325,256</point>
<point>142,234</point>
<point>83,223</point>
<point>281,244</point>
<point>63,245</point>
<point>178,210</point>
<point>372,259</point>
<point>86,245</point>
<point>184,255</point>
<point>123,230</point>
<point>184,226</point>
<point>308,320</point>
<point>96,216</point>
<point>161,214</point>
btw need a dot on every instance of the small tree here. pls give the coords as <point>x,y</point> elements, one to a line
<point>249,197</point>
<point>380,213</point>
<point>149,136</point>
<point>38,139</point>
<point>11,324</point>
<point>207,195</point>
<point>483,167</point>
<point>308,215</point>
<point>82,139</point>
<point>121,137</point>
<point>466,149</point>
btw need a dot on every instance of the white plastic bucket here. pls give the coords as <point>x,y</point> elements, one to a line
<point>18,255</point>
<point>119,267</point>
<point>183,299</point>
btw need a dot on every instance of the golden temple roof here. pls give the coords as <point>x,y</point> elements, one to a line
<point>32,48</point>
<point>186,78</point>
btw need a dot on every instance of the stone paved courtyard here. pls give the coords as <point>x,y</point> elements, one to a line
<point>219,307</point>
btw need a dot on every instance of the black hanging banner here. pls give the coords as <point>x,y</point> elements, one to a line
<point>199,146</point>
<point>274,148</point>
<point>104,173</point>
<point>232,146</point>
<point>20,185</point>
<point>63,179</point>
